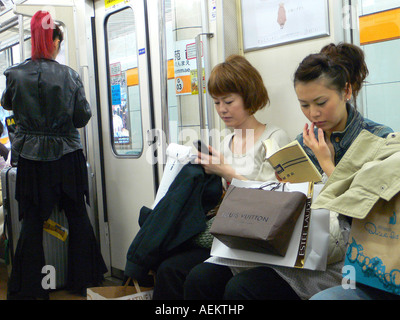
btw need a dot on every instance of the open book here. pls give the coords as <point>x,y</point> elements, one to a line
<point>291,163</point>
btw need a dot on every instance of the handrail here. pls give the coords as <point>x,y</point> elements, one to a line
<point>199,49</point>
<point>164,68</point>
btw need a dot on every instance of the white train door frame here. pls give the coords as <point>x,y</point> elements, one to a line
<point>127,118</point>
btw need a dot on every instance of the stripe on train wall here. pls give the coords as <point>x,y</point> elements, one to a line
<point>380,26</point>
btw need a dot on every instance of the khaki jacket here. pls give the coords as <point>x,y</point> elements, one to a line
<point>369,171</point>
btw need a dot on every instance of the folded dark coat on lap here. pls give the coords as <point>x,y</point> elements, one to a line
<point>179,216</point>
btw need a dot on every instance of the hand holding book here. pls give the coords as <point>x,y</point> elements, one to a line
<point>291,163</point>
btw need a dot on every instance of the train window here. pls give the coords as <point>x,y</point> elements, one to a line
<point>15,51</point>
<point>125,107</point>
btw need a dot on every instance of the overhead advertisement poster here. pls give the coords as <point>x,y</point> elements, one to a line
<point>276,22</point>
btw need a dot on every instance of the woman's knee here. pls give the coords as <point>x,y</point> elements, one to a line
<point>195,284</point>
<point>236,289</point>
<point>206,281</point>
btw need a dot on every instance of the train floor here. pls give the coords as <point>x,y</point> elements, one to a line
<point>56,294</point>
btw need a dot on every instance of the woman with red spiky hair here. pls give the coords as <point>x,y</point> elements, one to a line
<point>49,104</point>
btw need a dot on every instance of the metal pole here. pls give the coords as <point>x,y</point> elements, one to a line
<point>21,37</point>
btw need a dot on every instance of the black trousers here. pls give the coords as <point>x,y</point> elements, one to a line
<point>62,182</point>
<point>85,264</point>
<point>172,272</point>
<point>208,281</point>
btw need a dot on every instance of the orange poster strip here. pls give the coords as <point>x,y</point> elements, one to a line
<point>171,69</point>
<point>380,26</point>
<point>132,77</point>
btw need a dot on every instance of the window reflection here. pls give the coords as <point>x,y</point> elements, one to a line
<point>125,108</point>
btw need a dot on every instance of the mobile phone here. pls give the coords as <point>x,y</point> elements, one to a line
<point>201,146</point>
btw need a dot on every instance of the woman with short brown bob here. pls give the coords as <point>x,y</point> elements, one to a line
<point>238,92</point>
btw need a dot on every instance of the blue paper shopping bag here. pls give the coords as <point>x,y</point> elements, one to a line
<point>374,247</point>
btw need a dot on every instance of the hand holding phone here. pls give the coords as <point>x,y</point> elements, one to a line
<point>201,147</point>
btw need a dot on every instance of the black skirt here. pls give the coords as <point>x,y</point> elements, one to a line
<point>43,182</point>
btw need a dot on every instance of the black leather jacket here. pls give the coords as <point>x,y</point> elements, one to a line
<point>48,102</point>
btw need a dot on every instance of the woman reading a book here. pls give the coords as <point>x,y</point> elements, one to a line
<point>335,124</point>
<point>324,83</point>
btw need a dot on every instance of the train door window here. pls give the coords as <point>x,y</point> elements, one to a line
<point>15,51</point>
<point>183,22</point>
<point>125,108</point>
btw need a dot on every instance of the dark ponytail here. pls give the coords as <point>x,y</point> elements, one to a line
<point>340,65</point>
<point>353,58</point>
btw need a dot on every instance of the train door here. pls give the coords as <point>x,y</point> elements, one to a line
<point>126,115</point>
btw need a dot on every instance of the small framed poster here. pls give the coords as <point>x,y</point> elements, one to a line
<point>267,23</point>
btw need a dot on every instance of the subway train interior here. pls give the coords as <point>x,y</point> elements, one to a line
<point>139,61</point>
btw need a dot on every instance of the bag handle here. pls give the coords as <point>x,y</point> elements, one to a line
<point>137,287</point>
<point>136,284</point>
<point>275,185</point>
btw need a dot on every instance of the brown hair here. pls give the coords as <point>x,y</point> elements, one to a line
<point>340,64</point>
<point>237,75</point>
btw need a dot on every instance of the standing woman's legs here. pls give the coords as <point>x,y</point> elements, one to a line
<point>86,266</point>
<point>26,276</point>
<point>31,186</point>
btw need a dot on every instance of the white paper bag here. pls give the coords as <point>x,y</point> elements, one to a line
<point>125,292</point>
<point>177,156</point>
<point>316,249</point>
